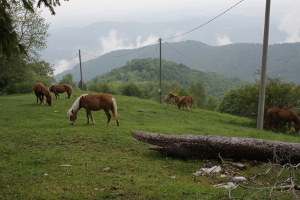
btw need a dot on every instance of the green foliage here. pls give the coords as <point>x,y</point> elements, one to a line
<point>198,92</point>
<point>131,89</point>
<point>244,101</point>
<point>11,43</point>
<point>81,85</point>
<point>31,28</point>
<point>102,88</point>
<point>211,103</point>
<point>68,79</point>
<point>147,70</point>
<point>18,76</point>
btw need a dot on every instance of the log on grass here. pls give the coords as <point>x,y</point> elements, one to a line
<point>210,146</point>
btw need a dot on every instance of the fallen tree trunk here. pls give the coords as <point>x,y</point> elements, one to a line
<point>209,146</point>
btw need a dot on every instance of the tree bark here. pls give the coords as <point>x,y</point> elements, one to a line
<point>209,146</point>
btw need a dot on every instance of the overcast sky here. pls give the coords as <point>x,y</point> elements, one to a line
<point>284,13</point>
<point>89,11</point>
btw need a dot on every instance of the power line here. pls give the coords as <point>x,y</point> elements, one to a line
<point>206,22</point>
<point>179,52</point>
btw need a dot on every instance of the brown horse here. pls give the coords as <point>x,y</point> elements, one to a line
<point>40,91</point>
<point>94,102</point>
<point>186,101</point>
<point>170,96</point>
<point>61,88</point>
<point>181,101</point>
<point>277,116</point>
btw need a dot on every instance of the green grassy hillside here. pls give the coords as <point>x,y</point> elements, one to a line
<point>105,162</point>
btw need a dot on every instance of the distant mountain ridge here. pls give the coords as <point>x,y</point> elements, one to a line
<point>235,60</point>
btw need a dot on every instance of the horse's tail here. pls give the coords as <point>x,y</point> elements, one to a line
<point>115,111</point>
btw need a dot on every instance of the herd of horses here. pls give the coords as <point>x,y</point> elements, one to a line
<point>276,117</point>
<point>90,102</point>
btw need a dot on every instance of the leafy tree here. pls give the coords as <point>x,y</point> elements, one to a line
<point>198,92</point>
<point>244,101</point>
<point>211,103</point>
<point>131,89</point>
<point>82,85</point>
<point>68,79</point>
<point>31,29</point>
<point>10,45</point>
<point>17,76</point>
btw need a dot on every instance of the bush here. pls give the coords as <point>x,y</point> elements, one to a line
<point>102,88</point>
<point>244,101</point>
<point>131,90</point>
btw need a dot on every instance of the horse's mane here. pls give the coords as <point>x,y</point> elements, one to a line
<point>75,105</point>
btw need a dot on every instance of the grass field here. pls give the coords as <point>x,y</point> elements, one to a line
<point>43,157</point>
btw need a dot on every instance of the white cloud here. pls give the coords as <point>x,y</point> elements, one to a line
<point>290,23</point>
<point>63,65</point>
<point>114,41</point>
<point>223,40</point>
<point>110,42</point>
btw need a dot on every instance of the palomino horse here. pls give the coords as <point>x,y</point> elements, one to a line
<point>61,88</point>
<point>40,91</point>
<point>186,101</point>
<point>94,102</point>
<point>276,116</point>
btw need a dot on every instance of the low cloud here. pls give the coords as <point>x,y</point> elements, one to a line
<point>223,40</point>
<point>115,41</point>
<point>65,64</point>
<point>111,42</point>
<point>290,24</point>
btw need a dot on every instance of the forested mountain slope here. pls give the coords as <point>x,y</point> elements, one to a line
<point>140,70</point>
<point>235,60</point>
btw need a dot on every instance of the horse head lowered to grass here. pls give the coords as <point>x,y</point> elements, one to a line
<point>40,91</point>
<point>94,102</point>
<point>180,101</point>
<point>278,116</point>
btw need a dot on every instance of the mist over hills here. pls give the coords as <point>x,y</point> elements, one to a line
<point>235,60</point>
<point>106,36</point>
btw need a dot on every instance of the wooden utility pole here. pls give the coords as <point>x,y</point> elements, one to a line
<point>262,85</point>
<point>81,81</point>
<point>160,90</point>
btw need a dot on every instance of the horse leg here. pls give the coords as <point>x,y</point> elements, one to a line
<point>108,116</point>
<point>41,99</point>
<point>289,124</point>
<point>90,116</point>
<point>87,116</point>
<point>115,116</point>
<point>69,94</point>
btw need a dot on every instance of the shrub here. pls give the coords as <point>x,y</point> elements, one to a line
<point>131,90</point>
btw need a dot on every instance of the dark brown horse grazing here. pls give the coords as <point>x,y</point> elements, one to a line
<point>277,116</point>
<point>94,102</point>
<point>40,91</point>
<point>61,88</point>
